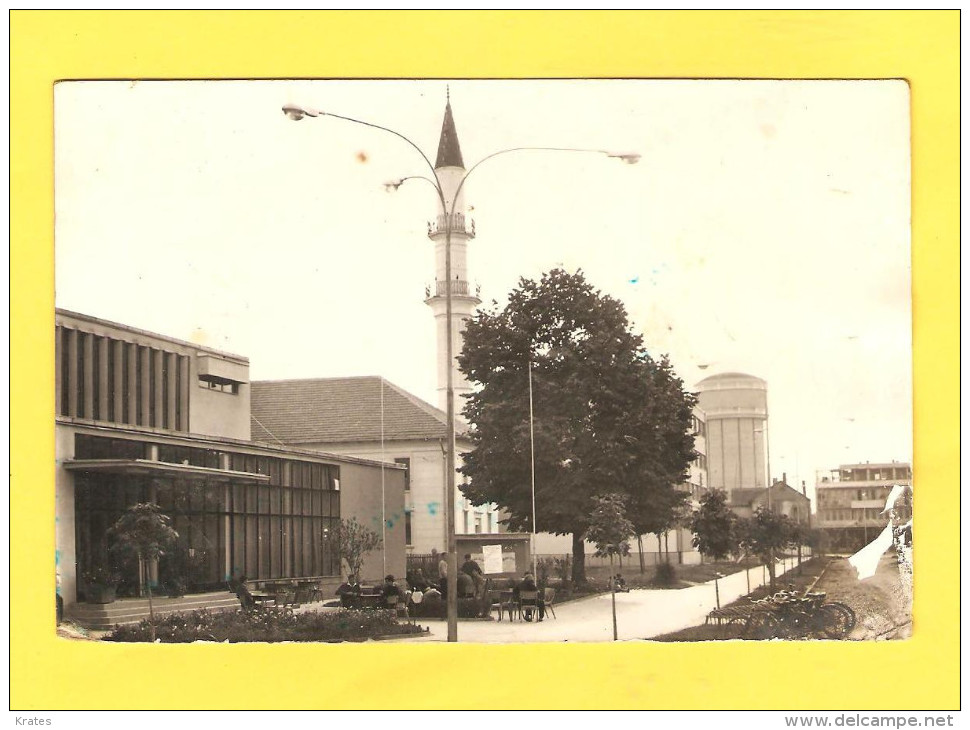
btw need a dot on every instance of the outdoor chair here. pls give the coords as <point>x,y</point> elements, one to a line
<point>528,604</point>
<point>549,596</point>
<point>394,603</point>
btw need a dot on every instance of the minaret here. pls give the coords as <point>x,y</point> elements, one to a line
<point>464,297</point>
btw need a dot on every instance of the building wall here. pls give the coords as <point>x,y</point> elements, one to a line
<point>424,500</point>
<point>65,553</point>
<point>361,498</point>
<point>736,410</point>
<point>109,373</point>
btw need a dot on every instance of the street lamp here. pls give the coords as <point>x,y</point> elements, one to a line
<point>297,113</point>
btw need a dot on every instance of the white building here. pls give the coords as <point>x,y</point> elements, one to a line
<point>368,417</point>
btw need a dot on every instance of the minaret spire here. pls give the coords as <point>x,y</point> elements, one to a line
<point>449,151</point>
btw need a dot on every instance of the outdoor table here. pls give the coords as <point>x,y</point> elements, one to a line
<point>261,598</point>
<point>370,600</point>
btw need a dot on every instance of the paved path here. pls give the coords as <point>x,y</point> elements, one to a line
<point>640,614</point>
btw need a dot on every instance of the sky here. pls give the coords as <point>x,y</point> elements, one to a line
<point>764,230</point>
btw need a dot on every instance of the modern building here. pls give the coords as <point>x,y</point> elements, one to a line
<point>850,501</point>
<point>369,417</point>
<point>141,417</point>
<point>735,406</point>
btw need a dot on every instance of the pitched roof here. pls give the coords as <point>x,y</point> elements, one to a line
<point>449,152</point>
<point>779,490</point>
<point>341,410</point>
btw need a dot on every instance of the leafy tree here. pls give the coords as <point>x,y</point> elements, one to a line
<point>607,416</point>
<point>143,531</point>
<point>713,525</point>
<point>658,510</point>
<point>609,527</point>
<point>354,541</point>
<point>767,533</point>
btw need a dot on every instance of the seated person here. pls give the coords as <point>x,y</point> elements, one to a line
<point>466,586</point>
<point>417,580</point>
<point>528,584</point>
<point>470,567</point>
<point>242,592</point>
<point>620,584</point>
<point>349,592</point>
<point>390,588</point>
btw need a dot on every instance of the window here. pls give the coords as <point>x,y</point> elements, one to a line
<point>407,528</point>
<point>478,522</point>
<point>406,462</point>
<point>232,388</point>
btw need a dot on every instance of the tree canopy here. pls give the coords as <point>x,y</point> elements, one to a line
<point>608,417</point>
<point>714,526</point>
<point>609,527</point>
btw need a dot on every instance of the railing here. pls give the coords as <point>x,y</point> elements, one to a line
<point>438,226</point>
<point>458,288</point>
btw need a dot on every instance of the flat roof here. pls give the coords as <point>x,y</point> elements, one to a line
<point>148,333</point>
<point>217,442</point>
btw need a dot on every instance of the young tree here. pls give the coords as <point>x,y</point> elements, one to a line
<point>769,532</point>
<point>607,416</point>
<point>143,531</point>
<point>354,541</point>
<point>713,525</point>
<point>609,527</point>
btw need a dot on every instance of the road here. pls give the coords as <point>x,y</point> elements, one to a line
<point>640,614</point>
<point>882,603</point>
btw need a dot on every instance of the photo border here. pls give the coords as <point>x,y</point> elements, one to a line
<point>48,673</point>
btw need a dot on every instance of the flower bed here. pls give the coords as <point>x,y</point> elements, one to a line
<point>267,625</point>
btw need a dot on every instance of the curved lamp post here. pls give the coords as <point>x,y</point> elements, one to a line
<point>296,113</point>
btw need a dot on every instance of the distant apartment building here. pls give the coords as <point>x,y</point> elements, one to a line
<point>850,501</point>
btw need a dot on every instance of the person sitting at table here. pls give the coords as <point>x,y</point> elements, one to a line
<point>390,588</point>
<point>349,592</point>
<point>417,580</point>
<point>528,584</point>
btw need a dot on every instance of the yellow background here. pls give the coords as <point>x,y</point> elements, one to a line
<point>922,47</point>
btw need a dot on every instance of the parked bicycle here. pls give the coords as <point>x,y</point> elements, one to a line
<point>786,615</point>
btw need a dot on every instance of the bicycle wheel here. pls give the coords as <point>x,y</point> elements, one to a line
<point>850,619</point>
<point>760,626</point>
<point>830,622</point>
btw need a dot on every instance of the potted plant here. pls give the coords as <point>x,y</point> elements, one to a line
<point>100,584</point>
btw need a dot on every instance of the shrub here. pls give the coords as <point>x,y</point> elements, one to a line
<point>438,608</point>
<point>665,576</point>
<point>266,625</point>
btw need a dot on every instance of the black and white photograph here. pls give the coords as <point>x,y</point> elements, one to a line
<point>483,361</point>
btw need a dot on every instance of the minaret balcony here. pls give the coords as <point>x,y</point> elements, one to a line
<point>459,288</point>
<point>438,226</point>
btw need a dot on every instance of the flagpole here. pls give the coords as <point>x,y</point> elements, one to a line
<point>532,454</point>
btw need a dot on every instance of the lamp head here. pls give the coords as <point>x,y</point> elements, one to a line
<point>296,113</point>
<point>628,158</point>
<point>392,185</point>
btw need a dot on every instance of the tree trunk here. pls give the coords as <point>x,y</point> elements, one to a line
<point>148,585</point>
<point>640,546</point>
<point>579,559</point>
<point>667,545</point>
